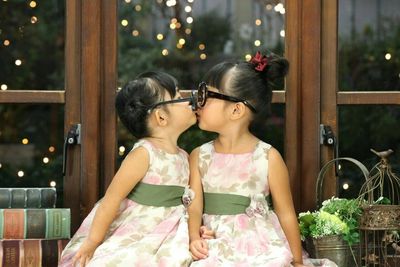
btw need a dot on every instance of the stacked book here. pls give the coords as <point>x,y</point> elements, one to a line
<point>33,232</point>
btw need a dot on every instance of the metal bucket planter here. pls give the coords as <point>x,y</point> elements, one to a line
<point>333,247</point>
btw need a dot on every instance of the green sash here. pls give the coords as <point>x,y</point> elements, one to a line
<point>157,195</point>
<point>228,204</point>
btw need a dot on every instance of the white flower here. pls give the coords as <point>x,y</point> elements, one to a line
<point>188,196</point>
<point>258,206</point>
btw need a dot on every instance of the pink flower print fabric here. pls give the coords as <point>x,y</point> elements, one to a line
<point>255,237</point>
<point>143,235</point>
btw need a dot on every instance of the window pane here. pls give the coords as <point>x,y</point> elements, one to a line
<point>186,38</point>
<point>362,128</point>
<point>369,45</point>
<point>31,144</point>
<point>32,45</point>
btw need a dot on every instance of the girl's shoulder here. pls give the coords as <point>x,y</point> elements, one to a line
<point>206,147</point>
<point>143,143</point>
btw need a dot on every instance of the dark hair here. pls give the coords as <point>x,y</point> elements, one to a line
<point>135,99</point>
<point>247,83</point>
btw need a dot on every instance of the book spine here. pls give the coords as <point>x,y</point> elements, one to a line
<point>31,253</point>
<point>11,253</point>
<point>5,198</point>
<point>13,223</point>
<point>1,224</point>
<point>32,256</point>
<point>58,223</point>
<point>35,223</point>
<point>18,198</point>
<point>28,197</point>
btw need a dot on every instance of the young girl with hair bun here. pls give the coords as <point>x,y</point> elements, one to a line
<point>247,200</point>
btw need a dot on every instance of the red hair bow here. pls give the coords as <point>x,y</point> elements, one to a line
<point>259,61</point>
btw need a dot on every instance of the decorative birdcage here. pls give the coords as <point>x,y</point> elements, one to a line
<point>380,219</point>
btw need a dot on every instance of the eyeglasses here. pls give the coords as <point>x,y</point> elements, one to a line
<point>190,99</point>
<point>203,94</point>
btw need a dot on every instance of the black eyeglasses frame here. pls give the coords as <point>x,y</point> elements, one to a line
<point>192,99</point>
<point>203,93</point>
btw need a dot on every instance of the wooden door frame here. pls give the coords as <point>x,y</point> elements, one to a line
<point>303,50</point>
<point>91,83</point>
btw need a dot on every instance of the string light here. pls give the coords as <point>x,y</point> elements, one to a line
<point>25,141</point>
<point>190,1</point>
<point>268,7</point>
<point>138,8</point>
<point>188,31</point>
<point>160,36</point>
<point>6,42</point>
<point>202,46</point>
<point>34,19</point>
<point>178,25</point>
<point>4,87</point>
<point>135,33</point>
<point>32,4</point>
<point>282,33</point>
<point>52,149</point>
<point>53,183</point>
<point>122,149</point>
<point>172,26</point>
<point>278,7</point>
<point>127,1</point>
<point>179,46</point>
<point>18,62</point>
<point>170,3</point>
<point>182,41</point>
<point>257,42</point>
<point>20,173</point>
<point>124,22</point>
<point>247,57</point>
<point>1,165</point>
<point>46,160</point>
<point>346,186</point>
<point>203,56</point>
<point>188,9</point>
<point>388,56</point>
<point>165,52</point>
<point>189,20</point>
<point>258,22</point>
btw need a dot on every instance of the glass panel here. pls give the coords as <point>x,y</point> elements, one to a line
<point>31,144</point>
<point>185,38</point>
<point>369,45</point>
<point>32,36</point>
<point>360,129</point>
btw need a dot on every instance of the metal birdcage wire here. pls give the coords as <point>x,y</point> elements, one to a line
<point>383,182</point>
<point>380,220</point>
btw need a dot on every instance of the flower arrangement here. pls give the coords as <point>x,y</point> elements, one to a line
<point>337,216</point>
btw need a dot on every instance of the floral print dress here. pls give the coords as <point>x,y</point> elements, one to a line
<point>143,235</point>
<point>254,237</point>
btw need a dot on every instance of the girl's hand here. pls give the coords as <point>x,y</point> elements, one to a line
<point>199,249</point>
<point>85,253</point>
<point>206,234</point>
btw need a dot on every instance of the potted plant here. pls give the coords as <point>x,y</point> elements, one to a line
<point>332,231</point>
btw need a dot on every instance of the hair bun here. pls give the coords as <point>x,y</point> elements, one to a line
<point>278,67</point>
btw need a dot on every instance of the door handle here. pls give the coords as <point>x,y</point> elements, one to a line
<point>73,138</point>
<point>328,138</point>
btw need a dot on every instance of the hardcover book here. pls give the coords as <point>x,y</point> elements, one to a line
<point>31,252</point>
<point>28,197</point>
<point>35,223</point>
